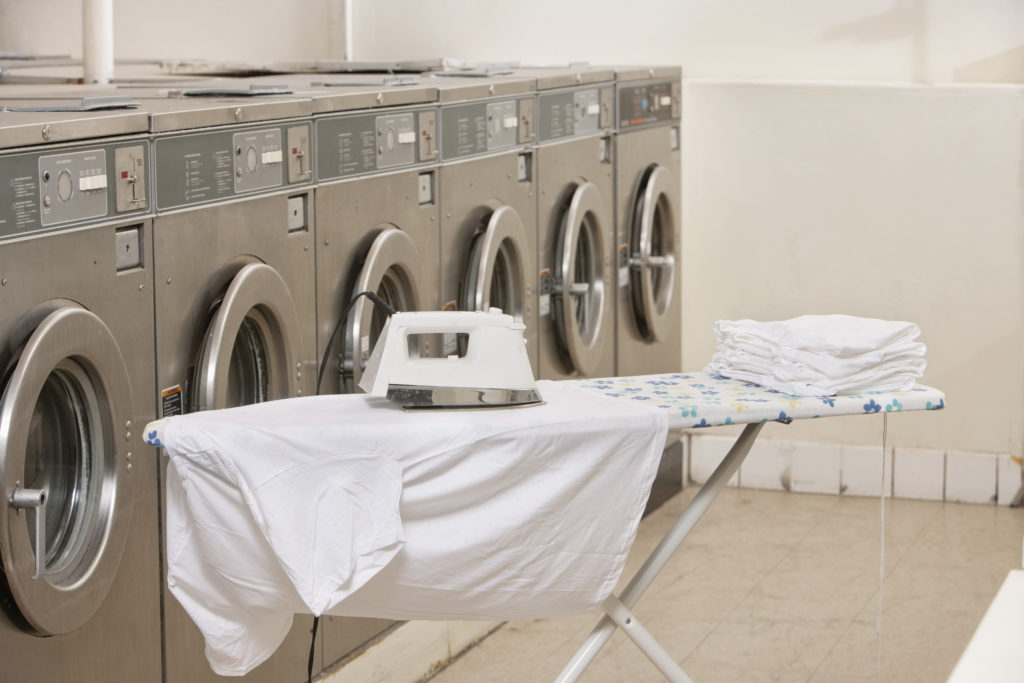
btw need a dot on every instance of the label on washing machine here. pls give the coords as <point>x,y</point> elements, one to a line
<point>171,402</point>
<point>544,302</point>
<point>623,265</point>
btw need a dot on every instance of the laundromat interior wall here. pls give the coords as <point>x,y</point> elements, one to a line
<point>864,156</point>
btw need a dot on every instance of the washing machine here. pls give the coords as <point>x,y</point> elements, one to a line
<point>235,290</point>
<point>647,204</point>
<point>376,198</point>
<point>377,229</point>
<point>575,222</point>
<point>488,202</point>
<point>79,530</point>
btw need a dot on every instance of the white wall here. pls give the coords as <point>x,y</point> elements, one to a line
<point>235,30</point>
<point>896,202</point>
<point>890,40</point>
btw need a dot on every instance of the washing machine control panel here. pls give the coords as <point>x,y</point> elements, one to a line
<point>259,159</point>
<point>365,143</point>
<point>72,185</point>
<point>196,168</point>
<point>572,113</point>
<point>648,103</point>
<point>487,126</point>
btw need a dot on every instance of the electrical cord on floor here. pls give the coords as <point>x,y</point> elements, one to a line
<point>372,296</point>
<point>312,649</point>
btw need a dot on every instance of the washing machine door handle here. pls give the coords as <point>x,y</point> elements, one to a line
<point>70,370</point>
<point>392,253</point>
<point>260,287</point>
<point>504,236</point>
<point>652,275</point>
<point>579,307</point>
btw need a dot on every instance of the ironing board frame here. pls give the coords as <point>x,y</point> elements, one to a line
<point>698,400</point>
<point>618,614</point>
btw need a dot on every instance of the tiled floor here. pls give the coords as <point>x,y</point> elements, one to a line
<point>784,587</point>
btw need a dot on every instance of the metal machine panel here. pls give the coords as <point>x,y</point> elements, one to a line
<point>562,169</point>
<point>471,192</point>
<point>647,104</point>
<point>42,274</point>
<point>637,353</point>
<point>21,129</point>
<point>360,144</point>
<point>199,168</point>
<point>570,113</point>
<point>65,186</point>
<point>484,126</point>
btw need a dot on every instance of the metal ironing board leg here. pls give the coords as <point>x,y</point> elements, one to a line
<point>660,557</point>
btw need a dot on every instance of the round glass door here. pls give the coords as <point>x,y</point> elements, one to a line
<point>578,299</point>
<point>250,350</point>
<point>653,254</point>
<point>65,431</point>
<point>496,274</point>
<point>391,270</point>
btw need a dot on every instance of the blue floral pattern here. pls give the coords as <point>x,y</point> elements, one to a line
<point>720,401</point>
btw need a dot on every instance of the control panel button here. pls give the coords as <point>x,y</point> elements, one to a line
<point>64,186</point>
<point>273,156</point>
<point>251,159</point>
<point>407,137</point>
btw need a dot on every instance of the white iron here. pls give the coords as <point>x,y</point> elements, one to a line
<point>494,371</point>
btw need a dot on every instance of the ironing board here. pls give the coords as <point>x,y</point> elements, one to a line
<point>699,400</point>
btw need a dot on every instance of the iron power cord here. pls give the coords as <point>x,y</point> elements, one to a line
<point>312,649</point>
<point>372,296</point>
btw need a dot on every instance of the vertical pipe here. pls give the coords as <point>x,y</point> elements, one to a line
<point>339,29</point>
<point>98,41</point>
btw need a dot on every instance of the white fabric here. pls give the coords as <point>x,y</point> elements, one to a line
<point>346,505</point>
<point>820,355</point>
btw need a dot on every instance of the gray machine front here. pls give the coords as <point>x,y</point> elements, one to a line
<point>649,307</point>
<point>576,226</point>
<point>489,211</point>
<point>79,535</point>
<point>235,291</point>
<point>379,230</point>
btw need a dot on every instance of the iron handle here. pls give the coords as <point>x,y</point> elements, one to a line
<point>34,499</point>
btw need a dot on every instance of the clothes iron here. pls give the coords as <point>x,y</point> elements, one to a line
<point>491,369</point>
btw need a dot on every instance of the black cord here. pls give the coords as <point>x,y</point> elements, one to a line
<point>372,296</point>
<point>312,649</point>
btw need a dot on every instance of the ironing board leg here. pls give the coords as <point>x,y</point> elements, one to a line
<point>629,624</point>
<point>663,553</point>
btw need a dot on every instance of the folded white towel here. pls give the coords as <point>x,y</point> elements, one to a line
<point>820,354</point>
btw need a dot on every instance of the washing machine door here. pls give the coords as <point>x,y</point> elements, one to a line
<point>578,297</point>
<point>251,348</point>
<point>653,254</point>
<point>66,471</point>
<point>391,270</point>
<point>496,273</point>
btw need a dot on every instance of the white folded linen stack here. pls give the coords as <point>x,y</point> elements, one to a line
<point>820,355</point>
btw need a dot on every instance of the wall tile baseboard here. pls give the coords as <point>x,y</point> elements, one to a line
<point>918,473</point>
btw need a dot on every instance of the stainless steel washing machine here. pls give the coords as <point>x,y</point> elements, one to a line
<point>377,229</point>
<point>575,222</point>
<point>235,289</point>
<point>648,188</point>
<point>488,206</point>
<point>376,198</point>
<point>79,532</point>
